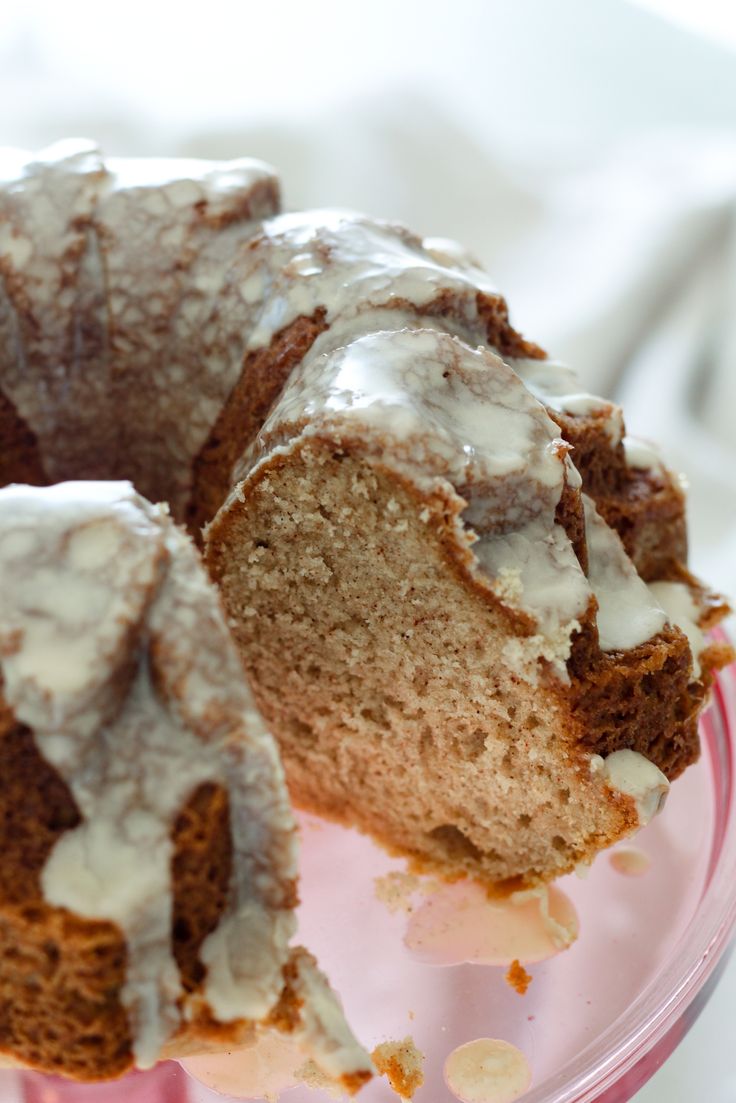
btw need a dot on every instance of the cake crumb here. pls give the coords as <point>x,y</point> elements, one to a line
<point>518,978</point>
<point>312,1077</point>
<point>401,1063</point>
<point>396,890</point>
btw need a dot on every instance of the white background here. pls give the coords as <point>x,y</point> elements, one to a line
<point>585,149</point>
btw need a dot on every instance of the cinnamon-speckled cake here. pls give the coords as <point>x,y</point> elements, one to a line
<point>459,591</point>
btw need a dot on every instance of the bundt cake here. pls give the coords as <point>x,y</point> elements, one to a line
<point>459,591</point>
<point>148,872</point>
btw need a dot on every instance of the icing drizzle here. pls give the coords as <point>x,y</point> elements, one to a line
<point>101,594</point>
<point>628,612</point>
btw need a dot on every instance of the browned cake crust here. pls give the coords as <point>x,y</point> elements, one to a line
<point>571,516</point>
<point>61,975</point>
<point>646,508</point>
<point>494,313</point>
<point>648,513</point>
<point>20,459</point>
<point>643,700</point>
<point>601,464</point>
<point>263,377</point>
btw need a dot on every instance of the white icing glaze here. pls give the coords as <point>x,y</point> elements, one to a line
<point>562,928</point>
<point>347,264</point>
<point>113,247</point>
<point>628,614</point>
<point>452,254</point>
<point>45,208</point>
<point>101,597</point>
<point>323,1030</point>
<point>642,455</point>
<point>557,386</point>
<point>537,571</point>
<point>682,610</point>
<point>426,404</point>
<point>156,222</point>
<point>448,410</point>
<point>629,772</point>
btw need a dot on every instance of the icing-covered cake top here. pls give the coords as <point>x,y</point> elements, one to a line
<point>425,403</point>
<point>114,651</point>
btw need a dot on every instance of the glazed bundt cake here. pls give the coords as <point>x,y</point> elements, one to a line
<point>458,590</point>
<point>148,873</point>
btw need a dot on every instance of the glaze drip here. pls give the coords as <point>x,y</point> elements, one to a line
<point>628,613</point>
<point>101,594</point>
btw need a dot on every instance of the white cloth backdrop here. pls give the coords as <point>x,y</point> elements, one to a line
<point>586,151</point>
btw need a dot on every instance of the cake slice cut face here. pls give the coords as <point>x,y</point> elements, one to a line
<point>437,624</point>
<point>148,874</point>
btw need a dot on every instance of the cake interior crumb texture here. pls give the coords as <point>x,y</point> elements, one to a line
<point>388,682</point>
<point>402,1064</point>
<point>518,978</point>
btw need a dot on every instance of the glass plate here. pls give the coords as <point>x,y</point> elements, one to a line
<point>597,1020</point>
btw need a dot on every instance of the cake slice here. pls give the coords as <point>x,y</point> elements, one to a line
<point>451,645</point>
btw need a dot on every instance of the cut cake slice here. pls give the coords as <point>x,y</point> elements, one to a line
<point>452,646</point>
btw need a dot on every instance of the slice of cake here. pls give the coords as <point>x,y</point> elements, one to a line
<point>453,647</point>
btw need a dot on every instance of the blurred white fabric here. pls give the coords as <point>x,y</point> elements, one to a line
<point>585,152</point>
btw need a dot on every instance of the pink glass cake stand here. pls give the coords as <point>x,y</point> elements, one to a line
<point>598,1019</point>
